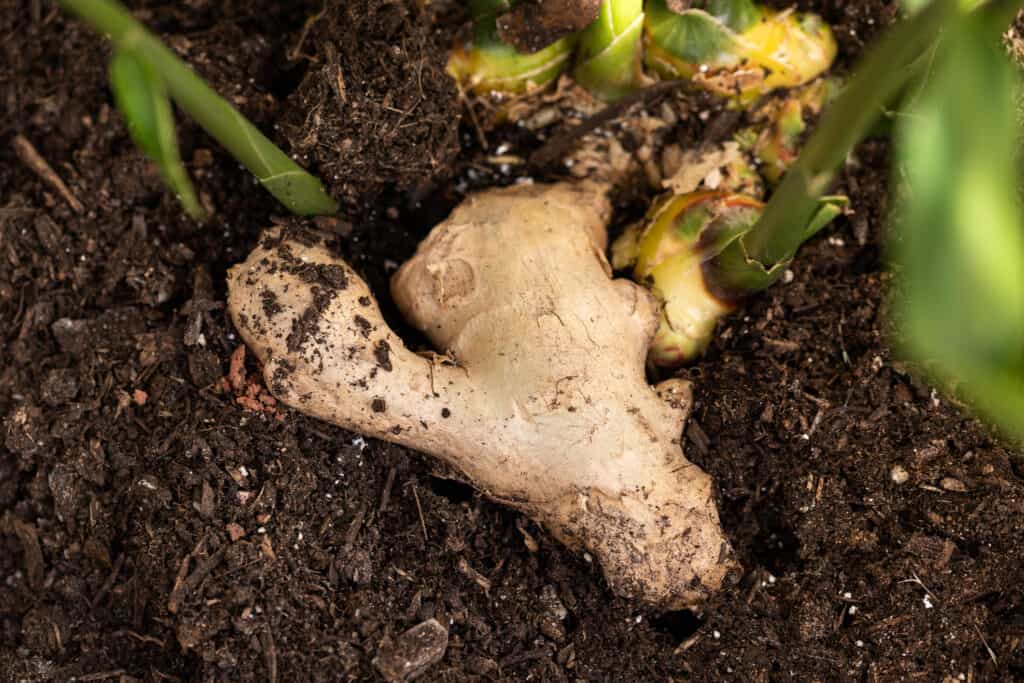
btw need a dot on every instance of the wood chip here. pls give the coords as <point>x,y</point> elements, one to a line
<point>38,165</point>
<point>474,575</point>
<point>31,551</point>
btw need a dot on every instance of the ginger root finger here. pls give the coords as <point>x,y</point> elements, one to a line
<point>547,408</point>
<point>327,352</point>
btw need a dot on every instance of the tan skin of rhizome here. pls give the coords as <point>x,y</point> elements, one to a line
<point>539,399</point>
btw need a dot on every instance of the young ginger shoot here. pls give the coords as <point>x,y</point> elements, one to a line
<point>486,64</point>
<point>737,48</point>
<point>608,58</point>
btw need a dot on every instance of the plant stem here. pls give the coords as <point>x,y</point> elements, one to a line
<point>609,56</point>
<point>881,75</point>
<point>298,190</point>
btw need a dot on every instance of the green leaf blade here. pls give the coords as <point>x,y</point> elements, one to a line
<point>301,192</point>
<point>143,101</point>
<point>961,231</point>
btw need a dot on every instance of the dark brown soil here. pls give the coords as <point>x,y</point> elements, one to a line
<point>153,528</point>
<point>376,110</point>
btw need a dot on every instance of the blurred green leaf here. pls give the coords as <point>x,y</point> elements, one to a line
<point>142,98</point>
<point>959,239</point>
<point>739,15</point>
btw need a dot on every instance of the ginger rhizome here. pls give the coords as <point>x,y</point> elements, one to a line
<point>538,394</point>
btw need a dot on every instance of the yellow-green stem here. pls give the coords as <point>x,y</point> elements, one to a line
<point>883,73</point>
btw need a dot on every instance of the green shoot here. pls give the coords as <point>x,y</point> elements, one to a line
<point>151,68</point>
<point>488,65</point>
<point>779,125</point>
<point>959,243</point>
<point>736,48</point>
<point>883,73</point>
<point>143,101</point>
<point>609,54</point>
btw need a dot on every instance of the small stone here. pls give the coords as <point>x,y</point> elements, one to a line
<point>71,335</point>
<point>953,484</point>
<point>59,387</point>
<point>899,474</point>
<point>481,666</point>
<point>554,614</point>
<point>66,488</point>
<point>150,492</point>
<point>552,628</point>
<point>413,652</point>
<point>552,603</point>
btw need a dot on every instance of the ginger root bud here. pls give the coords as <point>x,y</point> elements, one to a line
<point>737,49</point>
<point>487,64</point>
<point>540,400</point>
<point>668,252</point>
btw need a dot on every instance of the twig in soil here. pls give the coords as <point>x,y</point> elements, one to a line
<point>38,165</point>
<point>184,586</point>
<point>385,496</point>
<point>914,579</point>
<point>109,583</point>
<point>479,579</point>
<point>138,636</point>
<point>269,653</point>
<point>33,554</point>
<point>419,509</point>
<point>468,106</point>
<point>560,145</point>
<point>11,212</point>
<point>296,51</point>
<point>984,642</point>
<point>101,675</point>
<point>688,643</point>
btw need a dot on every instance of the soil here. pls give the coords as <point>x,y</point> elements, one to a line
<point>376,110</point>
<point>161,523</point>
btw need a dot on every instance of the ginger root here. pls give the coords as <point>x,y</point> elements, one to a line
<point>540,399</point>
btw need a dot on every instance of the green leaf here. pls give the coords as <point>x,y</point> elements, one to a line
<point>608,58</point>
<point>960,238</point>
<point>739,15</point>
<point>296,188</point>
<point>489,65</point>
<point>736,275</point>
<point>142,98</point>
<point>691,36</point>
